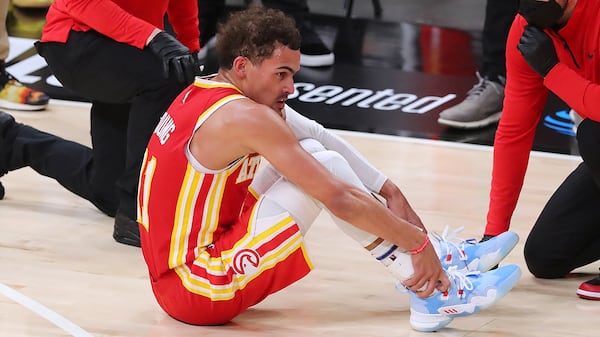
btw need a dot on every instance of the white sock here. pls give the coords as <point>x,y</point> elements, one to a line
<point>398,263</point>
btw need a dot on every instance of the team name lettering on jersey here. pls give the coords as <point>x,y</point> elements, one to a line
<point>164,128</point>
<point>248,169</point>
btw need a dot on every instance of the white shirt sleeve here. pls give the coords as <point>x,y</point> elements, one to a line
<point>303,128</point>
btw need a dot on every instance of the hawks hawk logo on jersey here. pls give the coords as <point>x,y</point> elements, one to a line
<point>246,261</point>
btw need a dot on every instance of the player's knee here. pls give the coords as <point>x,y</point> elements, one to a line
<point>333,161</point>
<point>312,145</point>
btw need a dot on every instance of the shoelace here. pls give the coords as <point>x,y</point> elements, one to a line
<point>460,279</point>
<point>477,88</point>
<point>452,240</point>
<point>480,87</point>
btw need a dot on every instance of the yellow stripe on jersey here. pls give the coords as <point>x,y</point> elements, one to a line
<point>182,226</point>
<point>245,241</point>
<point>147,173</point>
<point>253,192</point>
<point>184,215</point>
<point>201,83</point>
<point>208,112</point>
<point>214,265</point>
<point>218,266</point>
<point>202,286</point>
<point>210,219</point>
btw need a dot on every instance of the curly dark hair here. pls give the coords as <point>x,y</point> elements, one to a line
<point>253,33</point>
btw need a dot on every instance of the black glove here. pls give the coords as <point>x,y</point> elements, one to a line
<point>176,57</point>
<point>538,50</point>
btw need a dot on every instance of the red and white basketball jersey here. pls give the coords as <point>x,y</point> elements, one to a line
<point>181,209</point>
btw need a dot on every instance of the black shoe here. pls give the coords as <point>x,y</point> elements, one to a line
<point>126,231</point>
<point>486,237</point>
<point>6,122</point>
<point>313,52</point>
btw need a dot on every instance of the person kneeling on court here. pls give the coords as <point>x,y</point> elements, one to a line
<point>219,234</point>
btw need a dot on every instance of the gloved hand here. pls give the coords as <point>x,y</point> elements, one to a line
<point>538,50</point>
<point>176,57</point>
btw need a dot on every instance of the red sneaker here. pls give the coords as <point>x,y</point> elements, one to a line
<point>590,290</point>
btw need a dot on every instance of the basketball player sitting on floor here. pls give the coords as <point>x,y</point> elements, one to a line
<point>219,234</point>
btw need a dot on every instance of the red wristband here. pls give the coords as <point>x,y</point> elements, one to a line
<point>421,247</point>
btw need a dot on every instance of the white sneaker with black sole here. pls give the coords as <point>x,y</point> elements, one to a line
<point>313,52</point>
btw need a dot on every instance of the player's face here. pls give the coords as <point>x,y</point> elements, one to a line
<point>271,81</point>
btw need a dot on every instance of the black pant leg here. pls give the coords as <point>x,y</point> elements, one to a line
<point>109,72</point>
<point>108,129</point>
<point>210,12</point>
<point>69,163</point>
<point>145,113</point>
<point>499,15</point>
<point>567,233</point>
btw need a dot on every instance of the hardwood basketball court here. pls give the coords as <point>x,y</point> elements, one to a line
<point>61,273</point>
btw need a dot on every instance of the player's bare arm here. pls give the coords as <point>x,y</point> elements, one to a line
<point>399,205</point>
<point>264,131</point>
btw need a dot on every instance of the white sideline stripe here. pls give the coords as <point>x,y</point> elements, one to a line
<point>44,312</point>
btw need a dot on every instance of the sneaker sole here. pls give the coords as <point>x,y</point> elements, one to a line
<point>126,239</point>
<point>428,322</point>
<point>434,322</point>
<point>317,60</point>
<point>471,125</point>
<point>588,295</point>
<point>4,104</point>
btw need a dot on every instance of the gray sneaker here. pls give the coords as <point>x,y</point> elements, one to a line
<point>481,107</point>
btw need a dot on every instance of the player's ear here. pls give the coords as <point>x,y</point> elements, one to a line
<point>240,65</point>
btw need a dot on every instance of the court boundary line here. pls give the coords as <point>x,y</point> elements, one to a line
<point>44,312</point>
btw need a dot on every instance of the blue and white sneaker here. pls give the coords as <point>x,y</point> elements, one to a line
<point>470,255</point>
<point>468,294</point>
